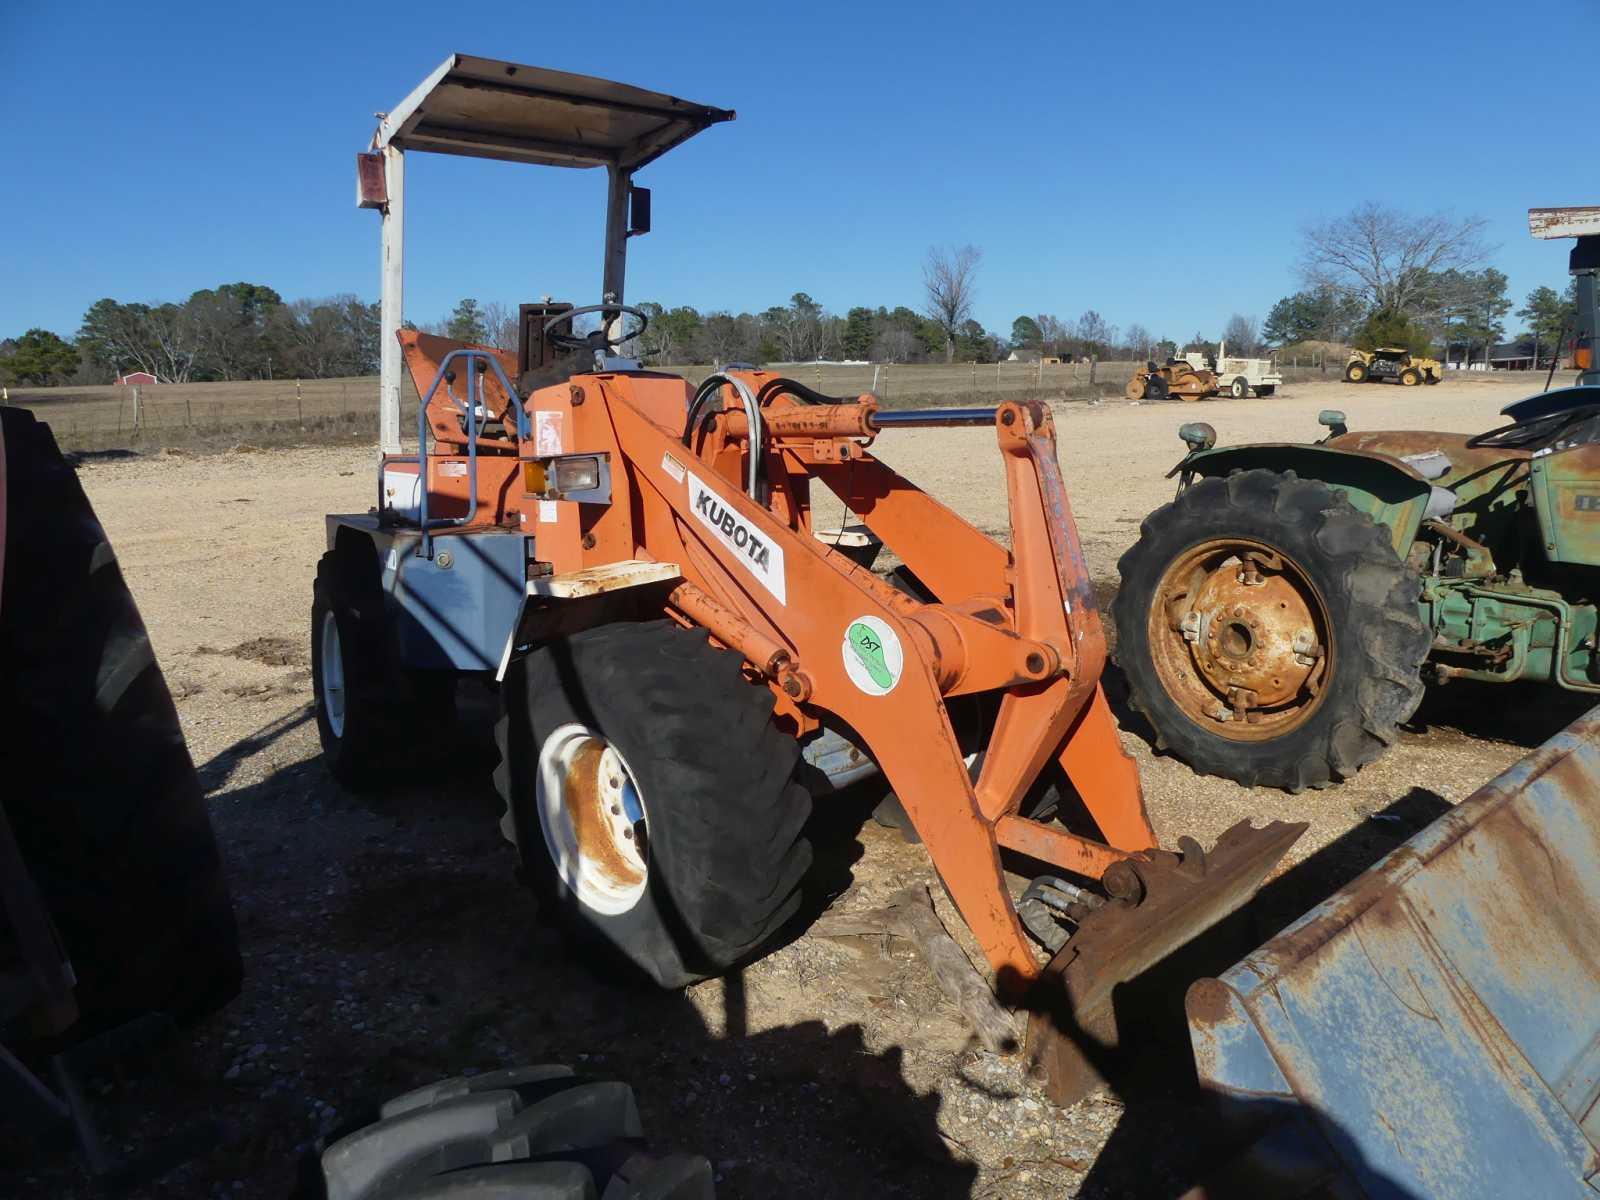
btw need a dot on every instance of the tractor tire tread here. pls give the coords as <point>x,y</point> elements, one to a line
<point>725,810</point>
<point>1373,596</point>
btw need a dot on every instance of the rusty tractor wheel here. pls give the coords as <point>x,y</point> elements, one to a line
<point>1355,372</point>
<point>1410,377</point>
<point>1268,631</point>
<point>652,798</point>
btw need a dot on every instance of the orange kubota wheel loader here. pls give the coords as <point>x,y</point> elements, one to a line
<point>634,558</point>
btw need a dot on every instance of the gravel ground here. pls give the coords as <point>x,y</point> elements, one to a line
<point>387,942</point>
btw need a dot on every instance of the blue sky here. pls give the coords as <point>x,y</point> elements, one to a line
<point>1155,162</point>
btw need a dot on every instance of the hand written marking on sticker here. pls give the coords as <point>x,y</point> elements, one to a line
<point>870,651</point>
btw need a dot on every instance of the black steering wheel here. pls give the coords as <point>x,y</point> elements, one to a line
<point>596,339</point>
<point>1534,434</point>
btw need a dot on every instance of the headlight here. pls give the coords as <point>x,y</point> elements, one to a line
<point>577,474</point>
<point>581,477</point>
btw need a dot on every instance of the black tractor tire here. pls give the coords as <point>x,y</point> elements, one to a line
<point>1431,378</point>
<point>391,719</point>
<point>1370,595</point>
<point>103,797</point>
<point>1356,372</point>
<point>1410,377</point>
<point>1157,388</point>
<point>527,1133</point>
<point>1239,388</point>
<point>715,777</point>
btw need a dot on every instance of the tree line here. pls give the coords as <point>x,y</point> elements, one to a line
<point>1372,277</point>
<point>1379,277</point>
<point>232,331</point>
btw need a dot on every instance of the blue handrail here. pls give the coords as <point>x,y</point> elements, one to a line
<point>471,406</point>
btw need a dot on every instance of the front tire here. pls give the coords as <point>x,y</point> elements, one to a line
<point>1240,388</point>
<point>652,797</point>
<point>1269,632</point>
<point>1355,372</point>
<point>1410,377</point>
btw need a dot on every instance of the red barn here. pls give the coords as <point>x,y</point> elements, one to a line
<point>136,377</point>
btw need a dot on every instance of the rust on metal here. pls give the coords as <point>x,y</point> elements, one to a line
<point>1241,639</point>
<point>1437,1020</point>
<point>1169,900</point>
<point>591,826</point>
<point>1578,221</point>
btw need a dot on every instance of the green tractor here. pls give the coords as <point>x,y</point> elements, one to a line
<point>1278,620</point>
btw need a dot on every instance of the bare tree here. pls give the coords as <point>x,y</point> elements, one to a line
<point>1242,334</point>
<point>1138,340</point>
<point>950,277</point>
<point>1385,255</point>
<point>1095,334</point>
<point>894,345</point>
<point>1052,334</point>
<point>500,321</point>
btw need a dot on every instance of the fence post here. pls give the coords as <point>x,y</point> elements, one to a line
<point>875,379</point>
<point>136,413</point>
<point>885,392</point>
<point>1093,362</point>
<point>974,374</point>
<point>299,404</point>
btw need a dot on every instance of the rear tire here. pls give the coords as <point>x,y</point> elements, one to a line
<point>373,718</point>
<point>647,729</point>
<point>1370,680</point>
<point>108,811</point>
<point>1240,388</point>
<point>1410,377</point>
<point>1266,389</point>
<point>528,1133</point>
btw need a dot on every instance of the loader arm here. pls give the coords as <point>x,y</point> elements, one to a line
<point>840,646</point>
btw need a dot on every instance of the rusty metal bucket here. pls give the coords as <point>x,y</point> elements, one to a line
<point>1433,1028</point>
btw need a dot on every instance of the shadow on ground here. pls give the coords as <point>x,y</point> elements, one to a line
<point>387,943</point>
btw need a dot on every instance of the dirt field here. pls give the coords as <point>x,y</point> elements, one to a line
<point>388,943</point>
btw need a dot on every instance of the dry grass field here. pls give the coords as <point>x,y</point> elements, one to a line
<point>286,412</point>
<point>388,942</point>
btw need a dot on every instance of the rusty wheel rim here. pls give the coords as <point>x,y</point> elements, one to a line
<point>1241,639</point>
<point>592,815</point>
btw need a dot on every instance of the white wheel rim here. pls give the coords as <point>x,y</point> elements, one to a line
<point>332,654</point>
<point>592,816</point>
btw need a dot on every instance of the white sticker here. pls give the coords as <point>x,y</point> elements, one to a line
<point>548,512</point>
<point>452,468</point>
<point>750,546</point>
<point>872,654</point>
<point>546,431</point>
<point>672,467</point>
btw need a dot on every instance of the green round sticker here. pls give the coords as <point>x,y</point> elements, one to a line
<point>872,656</point>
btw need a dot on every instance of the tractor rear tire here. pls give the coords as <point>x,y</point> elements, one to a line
<point>1157,388</point>
<point>1410,377</point>
<point>1240,388</point>
<point>1355,372</point>
<point>373,718</point>
<point>526,1133</point>
<point>694,856</point>
<point>107,809</point>
<point>1372,641</point>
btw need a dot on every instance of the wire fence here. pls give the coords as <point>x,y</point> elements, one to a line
<point>280,412</point>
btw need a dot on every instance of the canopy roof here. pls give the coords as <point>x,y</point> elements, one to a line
<point>484,108</point>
